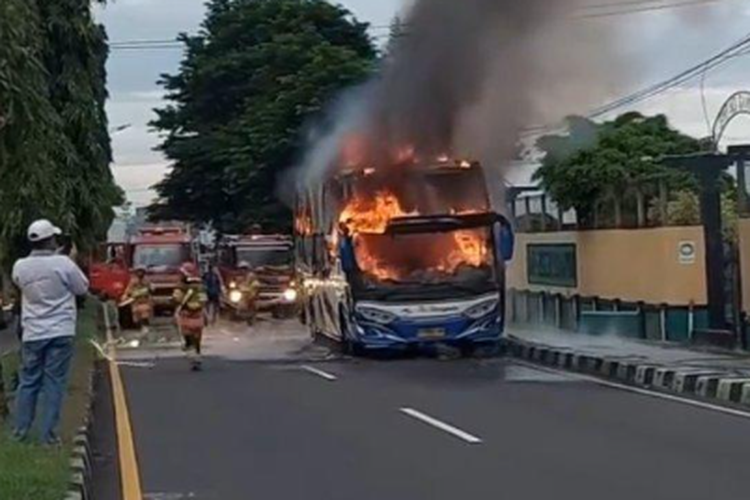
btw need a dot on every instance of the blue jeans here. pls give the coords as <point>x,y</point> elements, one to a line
<point>45,367</point>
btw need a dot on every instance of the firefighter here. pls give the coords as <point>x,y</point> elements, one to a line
<point>249,285</point>
<point>138,296</point>
<point>190,314</point>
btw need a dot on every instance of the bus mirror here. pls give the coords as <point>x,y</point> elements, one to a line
<point>507,242</point>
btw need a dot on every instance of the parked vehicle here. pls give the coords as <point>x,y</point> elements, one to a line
<point>161,250</point>
<point>269,261</point>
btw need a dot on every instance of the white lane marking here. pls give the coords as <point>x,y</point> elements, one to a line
<point>454,431</point>
<point>643,392</point>
<point>320,373</point>
<point>133,364</point>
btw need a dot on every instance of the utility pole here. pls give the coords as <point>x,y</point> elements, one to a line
<point>707,169</point>
<point>740,155</point>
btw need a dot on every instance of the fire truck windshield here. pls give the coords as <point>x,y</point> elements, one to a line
<point>150,256</point>
<point>457,261</point>
<point>265,257</point>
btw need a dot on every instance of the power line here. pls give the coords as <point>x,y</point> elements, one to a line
<point>174,41</point>
<point>679,79</point>
<point>655,6</point>
<point>610,10</point>
<point>737,49</point>
<point>627,3</point>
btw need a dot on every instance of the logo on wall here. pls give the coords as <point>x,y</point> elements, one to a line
<point>687,252</point>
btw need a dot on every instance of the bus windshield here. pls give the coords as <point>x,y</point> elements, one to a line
<point>453,262</point>
<point>264,257</point>
<point>170,255</point>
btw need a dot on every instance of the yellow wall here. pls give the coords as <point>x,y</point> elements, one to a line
<point>631,265</point>
<point>744,233</point>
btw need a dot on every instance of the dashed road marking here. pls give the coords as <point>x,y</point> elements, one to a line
<point>438,424</point>
<point>320,373</point>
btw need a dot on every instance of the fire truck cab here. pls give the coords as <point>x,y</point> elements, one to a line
<point>271,259</point>
<point>162,251</point>
<point>109,271</point>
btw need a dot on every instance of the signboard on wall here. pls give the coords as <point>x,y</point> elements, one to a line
<point>552,265</point>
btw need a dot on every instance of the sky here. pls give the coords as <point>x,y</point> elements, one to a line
<point>662,44</point>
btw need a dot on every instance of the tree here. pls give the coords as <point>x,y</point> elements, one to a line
<point>594,160</point>
<point>255,75</point>
<point>684,209</point>
<point>54,146</point>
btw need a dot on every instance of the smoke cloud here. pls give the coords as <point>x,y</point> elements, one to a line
<point>467,77</point>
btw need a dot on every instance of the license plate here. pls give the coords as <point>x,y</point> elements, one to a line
<point>431,333</point>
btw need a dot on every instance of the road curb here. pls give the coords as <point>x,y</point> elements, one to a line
<point>81,458</point>
<point>715,385</point>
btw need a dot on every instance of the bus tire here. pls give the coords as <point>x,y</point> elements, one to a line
<point>310,320</point>
<point>347,346</point>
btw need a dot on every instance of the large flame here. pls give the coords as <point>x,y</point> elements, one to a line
<point>372,214</point>
<point>367,218</point>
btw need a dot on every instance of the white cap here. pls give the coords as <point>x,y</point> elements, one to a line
<point>42,230</point>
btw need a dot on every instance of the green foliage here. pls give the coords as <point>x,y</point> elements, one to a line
<point>684,209</point>
<point>255,75</point>
<point>54,144</point>
<point>595,159</point>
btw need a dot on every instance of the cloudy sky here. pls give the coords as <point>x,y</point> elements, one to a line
<point>662,44</point>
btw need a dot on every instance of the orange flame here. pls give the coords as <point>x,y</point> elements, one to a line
<point>371,215</point>
<point>303,225</point>
<point>397,258</point>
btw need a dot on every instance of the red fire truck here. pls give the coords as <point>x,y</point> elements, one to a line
<point>160,250</point>
<point>270,258</point>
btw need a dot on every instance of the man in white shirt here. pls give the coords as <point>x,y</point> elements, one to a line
<point>49,285</point>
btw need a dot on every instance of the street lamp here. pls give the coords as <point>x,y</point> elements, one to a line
<point>120,128</point>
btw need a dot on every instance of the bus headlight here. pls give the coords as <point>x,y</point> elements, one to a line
<point>481,310</point>
<point>235,296</point>
<point>376,315</point>
<point>290,295</point>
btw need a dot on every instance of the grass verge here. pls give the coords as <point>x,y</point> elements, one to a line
<point>30,472</point>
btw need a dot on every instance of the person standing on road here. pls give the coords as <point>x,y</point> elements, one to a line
<point>190,314</point>
<point>49,284</point>
<point>249,285</point>
<point>214,285</point>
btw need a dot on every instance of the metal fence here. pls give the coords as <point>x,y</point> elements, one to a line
<point>597,316</point>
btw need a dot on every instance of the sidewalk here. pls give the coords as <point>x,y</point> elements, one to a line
<point>715,375</point>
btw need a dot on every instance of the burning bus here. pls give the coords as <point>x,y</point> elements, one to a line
<point>404,258</point>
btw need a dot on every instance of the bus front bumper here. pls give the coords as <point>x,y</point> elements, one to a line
<point>410,336</point>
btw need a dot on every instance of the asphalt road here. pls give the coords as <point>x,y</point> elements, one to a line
<point>299,427</point>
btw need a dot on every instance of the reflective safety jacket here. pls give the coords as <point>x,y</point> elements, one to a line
<point>193,298</point>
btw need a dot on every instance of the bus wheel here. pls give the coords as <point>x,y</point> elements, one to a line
<point>347,346</point>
